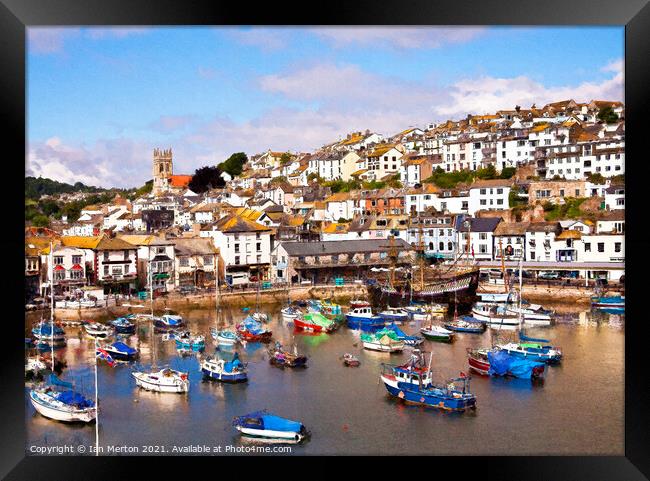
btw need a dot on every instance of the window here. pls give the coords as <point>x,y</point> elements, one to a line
<point>482,235</point>
<point>620,201</point>
<point>105,256</point>
<point>441,246</point>
<point>450,246</point>
<point>482,191</point>
<point>499,191</point>
<point>465,205</point>
<point>207,260</point>
<point>601,247</point>
<point>482,248</point>
<point>443,205</point>
<point>499,201</point>
<point>59,275</point>
<point>236,259</point>
<point>58,260</point>
<point>126,255</point>
<point>236,247</point>
<point>116,271</point>
<point>577,192</point>
<point>76,274</point>
<point>259,259</point>
<point>617,247</point>
<point>76,259</point>
<point>105,270</point>
<point>258,246</point>
<point>184,261</point>
<point>483,202</point>
<point>561,192</point>
<point>587,246</point>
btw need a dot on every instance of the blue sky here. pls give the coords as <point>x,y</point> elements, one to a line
<point>100,99</point>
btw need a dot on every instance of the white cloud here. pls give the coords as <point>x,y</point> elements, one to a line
<point>489,94</point>
<point>51,40</point>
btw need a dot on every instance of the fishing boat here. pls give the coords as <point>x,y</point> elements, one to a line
<point>394,314</point>
<point>494,315</point>
<point>260,316</point>
<point>122,325</point>
<point>494,362</point>
<point>325,307</point>
<point>460,325</point>
<point>217,369</point>
<point>402,336</point>
<point>168,321</point>
<point>166,380</point>
<point>316,322</point>
<point>98,330</point>
<point>384,340</point>
<point>224,337</point>
<point>437,333</point>
<point>414,386</point>
<point>252,331</point>
<point>362,318</point>
<point>120,351</point>
<point>611,302</point>
<point>351,360</point>
<point>290,314</point>
<point>533,351</point>
<point>283,358</point>
<point>262,424</point>
<point>44,332</point>
<point>186,340</point>
<point>63,404</point>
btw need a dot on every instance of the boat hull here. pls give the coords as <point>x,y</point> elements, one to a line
<point>142,380</point>
<point>470,330</point>
<point>307,326</point>
<point>376,346</point>
<point>270,434</point>
<point>427,398</point>
<point>224,377</point>
<point>367,324</point>
<point>65,415</point>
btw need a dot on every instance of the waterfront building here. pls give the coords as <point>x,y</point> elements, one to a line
<point>155,261</point>
<point>195,261</point>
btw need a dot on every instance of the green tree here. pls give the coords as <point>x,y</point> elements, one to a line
<point>285,158</point>
<point>145,189</point>
<point>233,165</point>
<point>508,172</point>
<point>315,178</point>
<point>41,220</point>
<point>206,178</point>
<point>607,115</point>
<point>278,180</point>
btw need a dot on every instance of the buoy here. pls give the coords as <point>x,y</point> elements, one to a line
<point>345,427</point>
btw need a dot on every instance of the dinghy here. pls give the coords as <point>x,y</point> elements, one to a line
<point>262,424</point>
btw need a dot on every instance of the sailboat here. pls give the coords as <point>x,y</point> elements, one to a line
<point>222,337</point>
<point>163,380</point>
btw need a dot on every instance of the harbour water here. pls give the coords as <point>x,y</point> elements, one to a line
<point>578,410</point>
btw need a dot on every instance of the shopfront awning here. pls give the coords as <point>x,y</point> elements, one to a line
<point>161,276</point>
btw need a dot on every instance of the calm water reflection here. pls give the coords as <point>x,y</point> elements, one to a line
<point>578,410</point>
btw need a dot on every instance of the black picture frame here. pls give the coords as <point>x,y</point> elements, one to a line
<point>16,15</point>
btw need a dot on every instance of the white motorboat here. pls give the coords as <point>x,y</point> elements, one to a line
<point>494,316</point>
<point>533,314</point>
<point>290,314</point>
<point>97,330</point>
<point>165,380</point>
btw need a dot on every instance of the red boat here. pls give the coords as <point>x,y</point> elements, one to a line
<point>478,361</point>
<point>314,321</point>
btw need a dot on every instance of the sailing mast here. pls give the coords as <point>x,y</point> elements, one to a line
<point>153,348</point>
<point>96,404</point>
<point>503,268</point>
<point>52,304</point>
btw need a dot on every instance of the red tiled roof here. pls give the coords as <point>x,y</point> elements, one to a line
<point>179,180</point>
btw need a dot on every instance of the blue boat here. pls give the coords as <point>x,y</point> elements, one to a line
<point>533,351</point>
<point>402,336</point>
<point>264,425</point>
<point>120,351</point>
<point>464,326</point>
<point>65,405</point>
<point>609,302</point>
<point>46,333</point>
<point>447,396</point>
<point>168,321</point>
<point>123,325</point>
<point>224,371</point>
<point>362,318</point>
<point>502,363</point>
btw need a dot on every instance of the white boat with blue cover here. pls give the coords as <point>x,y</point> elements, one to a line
<point>120,351</point>
<point>43,332</point>
<point>187,341</point>
<point>224,337</point>
<point>262,424</point>
<point>123,325</point>
<point>224,371</point>
<point>62,404</point>
<point>168,321</point>
<point>98,330</point>
<point>533,314</point>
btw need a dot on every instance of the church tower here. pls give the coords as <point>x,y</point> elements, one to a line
<point>162,170</point>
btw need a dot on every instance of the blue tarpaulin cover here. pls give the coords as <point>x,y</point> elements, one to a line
<point>230,366</point>
<point>46,330</point>
<point>277,423</point>
<point>253,326</point>
<point>74,399</point>
<point>400,334</point>
<point>120,346</point>
<point>523,337</point>
<point>502,363</point>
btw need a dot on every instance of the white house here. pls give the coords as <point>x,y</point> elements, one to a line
<point>489,195</point>
<point>481,236</point>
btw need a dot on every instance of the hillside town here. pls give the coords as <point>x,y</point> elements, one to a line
<point>544,185</point>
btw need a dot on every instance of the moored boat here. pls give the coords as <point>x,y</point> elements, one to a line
<point>120,351</point>
<point>496,362</point>
<point>460,325</point>
<point>168,321</point>
<point>224,337</point>
<point>44,332</point>
<point>252,331</point>
<point>384,340</point>
<point>262,424</point>
<point>166,380</point>
<point>351,360</point>
<point>359,303</point>
<point>533,351</point>
<point>316,322</point>
<point>533,314</point>
<point>608,302</point>
<point>394,314</point>
<point>437,333</point>
<point>290,313</point>
<point>283,358</point>
<point>66,406</point>
<point>362,318</point>
<point>494,315</point>
<point>98,330</point>
<point>188,341</point>
<point>232,371</point>
<point>122,325</point>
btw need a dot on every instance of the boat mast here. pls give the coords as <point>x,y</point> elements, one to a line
<point>52,304</point>
<point>96,405</point>
<point>521,282</point>
<point>503,268</point>
<point>421,249</point>
<point>153,348</point>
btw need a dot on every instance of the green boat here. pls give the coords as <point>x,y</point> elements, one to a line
<point>315,321</point>
<point>384,340</point>
<point>437,333</point>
